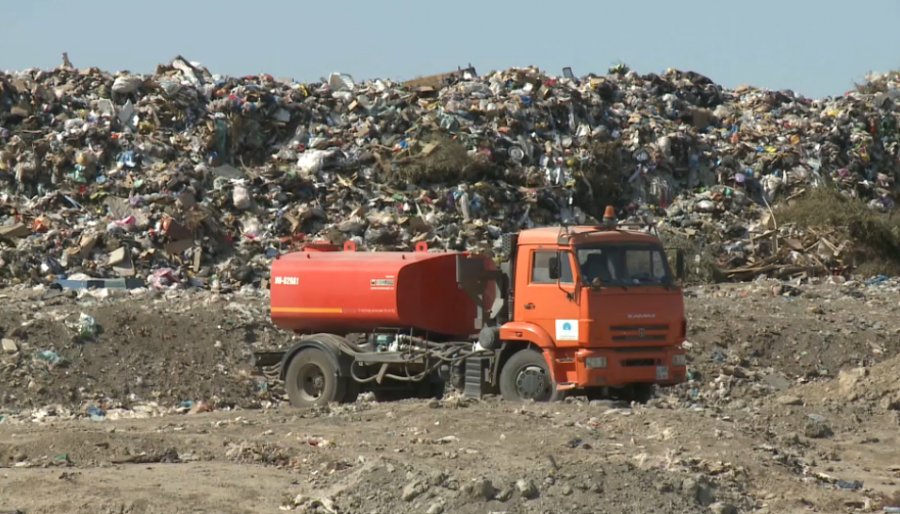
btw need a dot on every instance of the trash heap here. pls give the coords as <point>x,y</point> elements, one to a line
<point>190,179</point>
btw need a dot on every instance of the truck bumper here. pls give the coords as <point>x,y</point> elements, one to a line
<point>612,367</point>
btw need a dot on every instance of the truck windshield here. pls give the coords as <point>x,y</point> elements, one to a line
<point>631,264</point>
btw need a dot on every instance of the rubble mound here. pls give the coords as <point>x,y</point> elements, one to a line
<point>185,177</point>
<point>876,386</point>
<point>132,353</point>
<point>580,488</point>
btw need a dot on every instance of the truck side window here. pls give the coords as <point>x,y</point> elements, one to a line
<point>540,269</point>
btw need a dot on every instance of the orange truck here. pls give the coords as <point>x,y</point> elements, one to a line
<point>592,310</point>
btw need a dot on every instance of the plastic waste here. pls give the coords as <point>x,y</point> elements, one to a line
<point>87,326</point>
<point>241,197</point>
<point>164,279</point>
<point>96,414</point>
<point>49,356</point>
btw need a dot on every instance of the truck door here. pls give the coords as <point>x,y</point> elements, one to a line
<point>545,302</point>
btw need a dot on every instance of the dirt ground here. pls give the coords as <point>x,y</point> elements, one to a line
<point>794,406</point>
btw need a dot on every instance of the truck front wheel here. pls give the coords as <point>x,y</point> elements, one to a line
<point>311,380</point>
<point>526,376</point>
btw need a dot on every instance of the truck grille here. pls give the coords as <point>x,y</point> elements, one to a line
<point>638,333</point>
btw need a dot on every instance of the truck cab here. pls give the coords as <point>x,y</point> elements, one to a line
<point>601,306</point>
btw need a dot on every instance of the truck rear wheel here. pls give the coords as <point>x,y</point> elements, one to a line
<point>526,376</point>
<point>311,380</point>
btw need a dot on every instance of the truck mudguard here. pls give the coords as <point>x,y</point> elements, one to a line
<point>530,333</point>
<point>527,332</point>
<point>328,343</point>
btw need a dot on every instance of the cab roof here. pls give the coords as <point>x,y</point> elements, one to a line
<point>583,234</point>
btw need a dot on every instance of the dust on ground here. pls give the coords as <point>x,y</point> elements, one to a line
<point>793,407</point>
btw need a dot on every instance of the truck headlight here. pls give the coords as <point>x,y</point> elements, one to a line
<point>679,360</point>
<point>595,362</point>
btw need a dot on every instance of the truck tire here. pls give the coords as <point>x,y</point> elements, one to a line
<point>526,376</point>
<point>311,380</point>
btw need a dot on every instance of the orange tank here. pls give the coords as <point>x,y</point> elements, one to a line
<point>342,292</point>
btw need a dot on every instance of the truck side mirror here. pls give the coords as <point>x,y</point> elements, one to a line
<point>679,264</point>
<point>554,268</point>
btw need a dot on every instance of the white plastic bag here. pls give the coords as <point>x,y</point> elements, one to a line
<point>241,197</point>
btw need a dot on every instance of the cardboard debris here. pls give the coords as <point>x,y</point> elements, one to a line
<point>9,346</point>
<point>14,230</point>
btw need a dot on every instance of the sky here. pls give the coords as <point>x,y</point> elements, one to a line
<point>815,47</point>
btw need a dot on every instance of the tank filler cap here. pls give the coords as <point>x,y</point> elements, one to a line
<point>421,246</point>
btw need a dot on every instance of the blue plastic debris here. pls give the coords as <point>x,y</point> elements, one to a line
<point>876,280</point>
<point>852,486</point>
<point>49,356</point>
<point>96,413</point>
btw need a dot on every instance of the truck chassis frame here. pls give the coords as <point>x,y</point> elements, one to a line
<point>342,370</point>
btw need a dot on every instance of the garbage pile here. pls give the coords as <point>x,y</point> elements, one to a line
<point>190,179</point>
